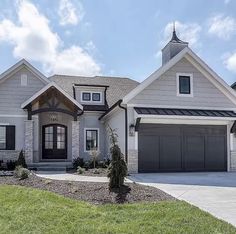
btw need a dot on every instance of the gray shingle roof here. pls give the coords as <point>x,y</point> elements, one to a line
<point>118,87</point>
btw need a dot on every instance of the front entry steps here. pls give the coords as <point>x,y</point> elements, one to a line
<point>51,166</point>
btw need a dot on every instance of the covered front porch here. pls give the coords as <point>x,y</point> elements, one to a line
<point>52,126</point>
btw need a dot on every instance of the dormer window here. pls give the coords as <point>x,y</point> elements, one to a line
<point>184,85</point>
<point>91,96</point>
<point>96,97</point>
<point>86,96</point>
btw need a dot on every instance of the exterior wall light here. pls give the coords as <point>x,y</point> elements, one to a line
<point>131,129</point>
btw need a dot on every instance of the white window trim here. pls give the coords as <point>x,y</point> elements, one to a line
<point>85,129</point>
<point>91,97</point>
<point>177,85</point>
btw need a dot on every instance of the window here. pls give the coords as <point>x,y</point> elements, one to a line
<point>86,96</point>
<point>23,80</point>
<point>184,85</point>
<point>91,96</point>
<point>91,139</point>
<point>7,137</point>
<point>2,137</point>
<point>96,97</point>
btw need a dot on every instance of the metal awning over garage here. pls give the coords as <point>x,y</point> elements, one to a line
<point>183,112</point>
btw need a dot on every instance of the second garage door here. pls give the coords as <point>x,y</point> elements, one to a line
<point>182,148</point>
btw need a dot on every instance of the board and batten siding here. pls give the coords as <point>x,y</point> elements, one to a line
<point>12,94</point>
<point>163,91</point>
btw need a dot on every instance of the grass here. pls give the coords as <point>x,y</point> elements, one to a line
<point>26,210</point>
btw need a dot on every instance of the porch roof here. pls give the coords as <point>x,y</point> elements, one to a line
<point>44,89</point>
<point>184,112</point>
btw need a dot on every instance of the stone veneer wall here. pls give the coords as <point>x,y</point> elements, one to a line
<point>233,161</point>
<point>75,139</point>
<point>29,141</point>
<point>7,155</point>
<point>133,161</point>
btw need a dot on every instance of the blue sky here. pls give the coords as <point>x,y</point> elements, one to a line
<point>115,38</point>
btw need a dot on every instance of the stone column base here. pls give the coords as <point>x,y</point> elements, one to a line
<point>133,161</point>
<point>75,139</point>
<point>233,161</point>
<point>29,141</point>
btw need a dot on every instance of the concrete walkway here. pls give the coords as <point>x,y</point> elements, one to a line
<point>52,175</point>
<point>213,192</point>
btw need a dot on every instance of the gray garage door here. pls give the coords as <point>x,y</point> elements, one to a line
<point>182,148</point>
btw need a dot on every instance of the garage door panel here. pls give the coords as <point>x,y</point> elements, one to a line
<point>148,153</point>
<point>193,153</point>
<point>182,148</point>
<point>170,153</point>
<point>215,148</point>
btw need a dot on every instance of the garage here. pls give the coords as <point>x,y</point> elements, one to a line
<point>166,148</point>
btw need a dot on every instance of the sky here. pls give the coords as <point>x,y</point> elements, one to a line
<point>115,38</point>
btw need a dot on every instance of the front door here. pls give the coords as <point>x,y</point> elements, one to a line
<point>54,141</point>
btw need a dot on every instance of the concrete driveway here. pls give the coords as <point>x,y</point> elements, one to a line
<point>214,192</point>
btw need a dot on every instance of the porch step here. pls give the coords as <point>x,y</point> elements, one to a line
<point>50,166</point>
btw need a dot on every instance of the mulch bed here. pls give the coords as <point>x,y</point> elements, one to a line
<point>100,172</point>
<point>96,193</point>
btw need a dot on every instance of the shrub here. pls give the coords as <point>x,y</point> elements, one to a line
<point>21,172</point>
<point>94,153</point>
<point>78,162</point>
<point>80,170</point>
<point>87,165</point>
<point>11,165</point>
<point>117,170</point>
<point>21,160</point>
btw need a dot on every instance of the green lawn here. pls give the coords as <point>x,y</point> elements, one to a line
<point>25,210</point>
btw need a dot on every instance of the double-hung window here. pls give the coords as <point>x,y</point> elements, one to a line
<point>7,137</point>
<point>91,139</point>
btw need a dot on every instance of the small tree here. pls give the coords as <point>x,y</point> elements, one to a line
<point>94,153</point>
<point>117,170</point>
<point>21,160</point>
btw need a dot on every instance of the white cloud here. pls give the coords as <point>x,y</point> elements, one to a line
<point>70,12</point>
<point>224,27</point>
<point>189,32</point>
<point>230,62</point>
<point>33,39</point>
<point>75,61</point>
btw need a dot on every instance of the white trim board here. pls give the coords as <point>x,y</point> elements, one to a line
<point>190,75</point>
<point>51,84</point>
<point>198,63</point>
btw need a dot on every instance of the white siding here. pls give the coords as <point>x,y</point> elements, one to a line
<point>12,94</point>
<point>116,121</point>
<point>163,90</point>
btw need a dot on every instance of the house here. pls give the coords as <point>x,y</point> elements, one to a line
<point>181,118</point>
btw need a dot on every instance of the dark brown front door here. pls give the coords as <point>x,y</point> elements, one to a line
<point>54,141</point>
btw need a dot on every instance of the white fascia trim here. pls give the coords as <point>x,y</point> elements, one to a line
<point>217,81</point>
<point>182,107</point>
<point>177,85</point>
<point>186,117</point>
<point>18,116</point>
<point>155,75</point>
<point>51,84</point>
<point>22,62</point>
<point>85,129</point>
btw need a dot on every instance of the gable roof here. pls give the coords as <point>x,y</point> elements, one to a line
<point>45,88</point>
<point>18,65</point>
<point>196,62</point>
<point>117,87</point>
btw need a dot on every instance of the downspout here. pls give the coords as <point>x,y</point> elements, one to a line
<point>126,131</point>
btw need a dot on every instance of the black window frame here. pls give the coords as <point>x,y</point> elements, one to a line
<point>97,140</point>
<point>10,135</point>
<point>189,84</point>
<point>86,93</point>
<point>96,94</point>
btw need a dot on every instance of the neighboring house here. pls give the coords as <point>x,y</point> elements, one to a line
<point>181,118</point>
